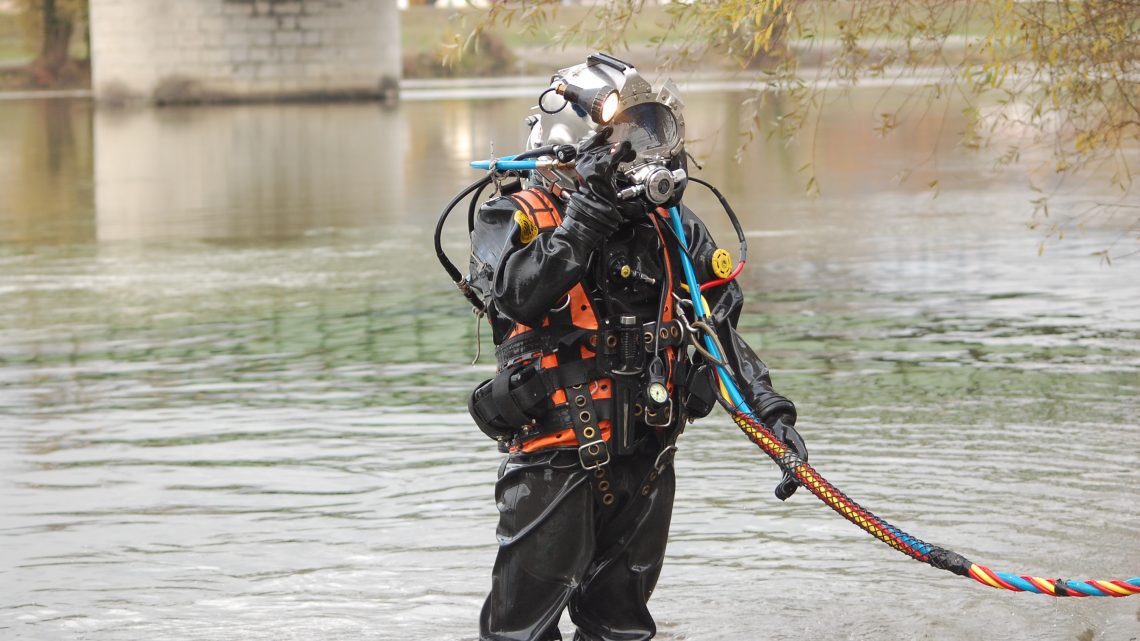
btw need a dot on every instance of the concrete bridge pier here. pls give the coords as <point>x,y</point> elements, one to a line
<point>177,51</point>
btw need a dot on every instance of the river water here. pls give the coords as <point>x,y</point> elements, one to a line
<point>232,381</point>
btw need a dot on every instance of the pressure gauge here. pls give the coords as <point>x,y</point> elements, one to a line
<point>657,393</point>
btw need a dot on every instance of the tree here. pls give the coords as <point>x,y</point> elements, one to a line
<point>53,22</point>
<point>1064,75</point>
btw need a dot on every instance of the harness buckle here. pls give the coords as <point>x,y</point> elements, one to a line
<point>591,452</point>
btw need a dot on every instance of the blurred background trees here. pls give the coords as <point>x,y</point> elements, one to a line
<point>53,33</point>
<point>55,21</point>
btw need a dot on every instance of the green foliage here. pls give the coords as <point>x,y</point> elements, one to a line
<point>1056,75</point>
<point>493,56</point>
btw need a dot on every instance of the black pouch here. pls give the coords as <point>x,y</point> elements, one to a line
<point>700,391</point>
<point>482,412</point>
<point>495,410</point>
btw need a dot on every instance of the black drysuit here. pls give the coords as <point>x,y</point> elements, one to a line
<point>559,546</point>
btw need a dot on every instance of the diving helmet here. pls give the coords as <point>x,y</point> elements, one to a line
<point>608,91</point>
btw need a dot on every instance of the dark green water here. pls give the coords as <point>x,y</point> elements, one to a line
<point>232,383</point>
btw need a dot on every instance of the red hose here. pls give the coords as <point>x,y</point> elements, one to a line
<point>721,281</point>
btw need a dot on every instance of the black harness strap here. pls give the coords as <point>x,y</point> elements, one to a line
<point>634,510</point>
<point>545,340</point>
<point>534,344</point>
<point>503,399</point>
<point>593,451</point>
<point>546,381</point>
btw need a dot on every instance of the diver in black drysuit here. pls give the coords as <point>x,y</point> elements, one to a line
<point>560,543</point>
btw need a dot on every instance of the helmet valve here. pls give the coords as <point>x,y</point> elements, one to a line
<point>654,181</point>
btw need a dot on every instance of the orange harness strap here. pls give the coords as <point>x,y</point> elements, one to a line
<point>539,206</point>
<point>536,204</point>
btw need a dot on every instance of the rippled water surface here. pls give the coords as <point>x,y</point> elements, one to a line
<point>232,383</point>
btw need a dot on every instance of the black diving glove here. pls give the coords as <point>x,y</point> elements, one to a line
<point>782,428</point>
<point>590,218</point>
<point>591,211</point>
<point>597,163</point>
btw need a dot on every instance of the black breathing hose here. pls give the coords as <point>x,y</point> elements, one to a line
<point>731,216</point>
<point>448,266</point>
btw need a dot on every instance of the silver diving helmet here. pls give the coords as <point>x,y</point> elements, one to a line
<point>608,91</point>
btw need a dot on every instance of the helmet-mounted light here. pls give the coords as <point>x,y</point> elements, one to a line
<point>601,103</point>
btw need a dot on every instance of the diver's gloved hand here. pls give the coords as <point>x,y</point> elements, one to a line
<point>598,159</point>
<point>783,429</point>
<point>591,210</point>
<point>590,219</point>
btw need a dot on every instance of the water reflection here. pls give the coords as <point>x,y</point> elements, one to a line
<point>246,172</point>
<point>232,383</point>
<point>46,158</point>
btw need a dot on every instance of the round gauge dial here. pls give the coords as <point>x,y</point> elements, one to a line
<point>657,393</point>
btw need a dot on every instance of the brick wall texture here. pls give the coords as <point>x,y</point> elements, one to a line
<point>217,50</point>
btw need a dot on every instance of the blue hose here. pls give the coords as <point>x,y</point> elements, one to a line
<point>699,307</point>
<point>506,162</point>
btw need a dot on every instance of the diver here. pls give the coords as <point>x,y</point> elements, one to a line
<point>577,269</point>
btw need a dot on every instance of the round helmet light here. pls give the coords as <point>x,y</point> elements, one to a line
<point>601,103</point>
<point>609,108</point>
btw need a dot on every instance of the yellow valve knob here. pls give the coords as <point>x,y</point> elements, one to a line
<point>626,271</point>
<point>721,263</point>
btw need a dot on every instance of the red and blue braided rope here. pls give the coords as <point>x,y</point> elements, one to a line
<point>912,546</point>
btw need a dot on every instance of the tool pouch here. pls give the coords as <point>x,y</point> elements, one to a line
<point>495,410</point>
<point>489,422</point>
<point>700,391</point>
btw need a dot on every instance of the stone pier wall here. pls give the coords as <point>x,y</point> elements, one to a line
<point>171,51</point>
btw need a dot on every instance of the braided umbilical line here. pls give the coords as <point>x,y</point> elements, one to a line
<point>915,548</point>
<point>791,463</point>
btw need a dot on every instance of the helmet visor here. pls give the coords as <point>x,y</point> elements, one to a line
<point>650,127</point>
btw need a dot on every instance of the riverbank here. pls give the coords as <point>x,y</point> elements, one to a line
<point>475,88</point>
<point>22,77</point>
